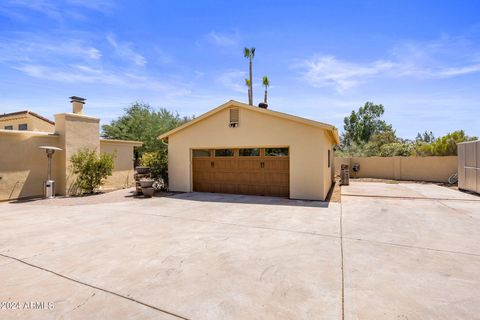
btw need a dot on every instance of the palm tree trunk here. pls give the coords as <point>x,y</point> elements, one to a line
<point>250,98</point>
<point>265,98</point>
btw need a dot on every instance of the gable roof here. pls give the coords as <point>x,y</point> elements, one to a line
<point>232,103</point>
<point>26,112</point>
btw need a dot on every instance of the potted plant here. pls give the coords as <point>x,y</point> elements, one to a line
<point>146,183</point>
<point>142,170</point>
<point>148,192</point>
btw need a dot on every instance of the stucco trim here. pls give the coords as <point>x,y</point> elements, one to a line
<point>28,133</point>
<point>233,103</point>
<point>25,113</point>
<point>132,142</point>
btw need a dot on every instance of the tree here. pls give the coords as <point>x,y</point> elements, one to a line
<point>247,83</point>
<point>90,169</point>
<point>266,84</point>
<point>360,126</point>
<point>426,137</point>
<point>443,146</point>
<point>143,123</point>
<point>249,53</point>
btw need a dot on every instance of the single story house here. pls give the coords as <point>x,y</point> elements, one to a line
<point>23,165</point>
<point>242,149</point>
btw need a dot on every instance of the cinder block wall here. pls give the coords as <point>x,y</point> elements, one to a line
<point>433,169</point>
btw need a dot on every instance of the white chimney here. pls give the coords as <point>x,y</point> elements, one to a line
<point>77,104</point>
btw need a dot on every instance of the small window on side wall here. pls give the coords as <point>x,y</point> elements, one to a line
<point>201,153</point>
<point>224,153</point>
<point>234,117</point>
<point>23,127</point>
<point>8,127</point>
<point>276,152</point>
<point>250,152</point>
<point>329,158</point>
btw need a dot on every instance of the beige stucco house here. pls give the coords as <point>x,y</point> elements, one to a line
<point>242,149</point>
<point>23,166</point>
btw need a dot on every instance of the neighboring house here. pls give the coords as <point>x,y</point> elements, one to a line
<point>241,149</point>
<point>26,121</point>
<point>23,166</point>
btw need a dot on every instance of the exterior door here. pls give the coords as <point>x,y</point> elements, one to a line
<point>251,171</point>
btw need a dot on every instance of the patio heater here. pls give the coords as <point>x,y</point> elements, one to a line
<point>49,185</point>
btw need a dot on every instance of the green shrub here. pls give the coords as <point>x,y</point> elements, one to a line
<point>90,169</point>
<point>158,163</point>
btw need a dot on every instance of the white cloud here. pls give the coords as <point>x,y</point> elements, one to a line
<point>125,50</point>
<point>233,80</point>
<point>322,71</point>
<point>88,74</point>
<point>27,47</point>
<point>15,9</point>
<point>444,58</point>
<point>223,39</point>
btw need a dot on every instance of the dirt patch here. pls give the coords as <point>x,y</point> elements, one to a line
<point>335,194</point>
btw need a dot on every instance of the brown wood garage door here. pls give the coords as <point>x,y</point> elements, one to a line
<point>252,171</point>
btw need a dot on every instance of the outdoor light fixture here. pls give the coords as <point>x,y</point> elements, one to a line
<point>49,185</point>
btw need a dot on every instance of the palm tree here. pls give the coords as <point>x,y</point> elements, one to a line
<point>247,83</point>
<point>249,53</point>
<point>266,84</point>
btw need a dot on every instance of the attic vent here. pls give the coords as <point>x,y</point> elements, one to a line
<point>234,118</point>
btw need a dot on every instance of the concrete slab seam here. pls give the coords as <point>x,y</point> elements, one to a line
<point>95,287</point>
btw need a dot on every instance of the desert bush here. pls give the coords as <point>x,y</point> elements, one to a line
<point>90,169</point>
<point>158,163</point>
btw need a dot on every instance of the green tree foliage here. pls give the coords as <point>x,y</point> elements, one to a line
<point>90,169</point>
<point>141,122</point>
<point>426,137</point>
<point>443,146</point>
<point>360,126</point>
<point>367,135</point>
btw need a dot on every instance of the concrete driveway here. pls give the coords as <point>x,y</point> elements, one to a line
<point>388,252</point>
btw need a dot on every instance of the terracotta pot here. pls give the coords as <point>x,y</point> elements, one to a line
<point>148,192</point>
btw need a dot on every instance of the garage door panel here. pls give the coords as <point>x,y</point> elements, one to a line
<point>277,164</point>
<point>201,164</point>
<point>277,178</point>
<point>249,165</point>
<point>251,175</point>
<point>251,178</point>
<point>225,164</point>
<point>250,189</point>
<point>224,188</point>
<point>276,191</point>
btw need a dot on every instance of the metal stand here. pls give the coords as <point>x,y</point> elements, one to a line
<point>49,185</point>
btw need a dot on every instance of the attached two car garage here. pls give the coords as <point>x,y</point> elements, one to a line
<point>242,149</point>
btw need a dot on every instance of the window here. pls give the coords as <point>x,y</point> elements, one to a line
<point>252,152</point>
<point>8,127</point>
<point>234,117</point>
<point>329,158</point>
<point>276,152</point>
<point>224,153</point>
<point>23,127</point>
<point>203,153</point>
